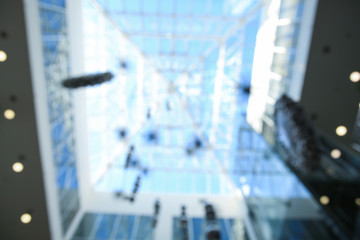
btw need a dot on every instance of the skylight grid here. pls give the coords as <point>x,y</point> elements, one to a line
<point>176,100</point>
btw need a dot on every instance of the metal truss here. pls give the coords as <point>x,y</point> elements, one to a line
<point>176,16</point>
<point>172,36</point>
<point>216,130</point>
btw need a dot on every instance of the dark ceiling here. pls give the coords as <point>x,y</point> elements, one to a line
<point>20,192</point>
<point>328,94</point>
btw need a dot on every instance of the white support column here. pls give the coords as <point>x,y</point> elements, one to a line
<point>303,48</point>
<point>217,92</point>
<point>76,57</point>
<point>140,90</point>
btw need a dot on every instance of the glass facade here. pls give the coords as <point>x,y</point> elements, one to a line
<point>287,35</point>
<point>56,65</point>
<point>230,229</point>
<point>110,226</point>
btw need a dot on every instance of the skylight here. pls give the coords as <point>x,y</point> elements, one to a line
<point>178,93</point>
<point>178,100</point>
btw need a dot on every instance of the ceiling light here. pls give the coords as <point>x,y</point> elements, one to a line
<point>355,76</point>
<point>324,200</point>
<point>25,218</point>
<point>335,153</point>
<point>18,167</point>
<point>9,114</point>
<point>357,201</point>
<point>341,130</point>
<point>3,56</point>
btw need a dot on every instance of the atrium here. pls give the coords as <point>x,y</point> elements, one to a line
<point>190,134</point>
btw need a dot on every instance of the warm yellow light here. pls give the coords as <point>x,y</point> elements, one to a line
<point>355,76</point>
<point>324,200</point>
<point>9,114</point>
<point>25,218</point>
<point>335,153</point>
<point>357,201</point>
<point>18,167</point>
<point>3,56</point>
<point>341,130</point>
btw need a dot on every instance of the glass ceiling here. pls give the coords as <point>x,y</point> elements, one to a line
<point>179,97</point>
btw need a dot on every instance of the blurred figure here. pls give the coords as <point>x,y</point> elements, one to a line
<point>212,231</point>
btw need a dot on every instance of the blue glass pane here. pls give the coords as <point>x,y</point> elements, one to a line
<point>126,227</point>
<point>85,226</point>
<point>197,228</point>
<point>60,3</point>
<point>105,228</point>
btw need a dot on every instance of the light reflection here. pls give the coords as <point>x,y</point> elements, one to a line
<point>246,189</point>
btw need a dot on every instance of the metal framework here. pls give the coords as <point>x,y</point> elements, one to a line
<point>207,100</point>
<point>56,64</point>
